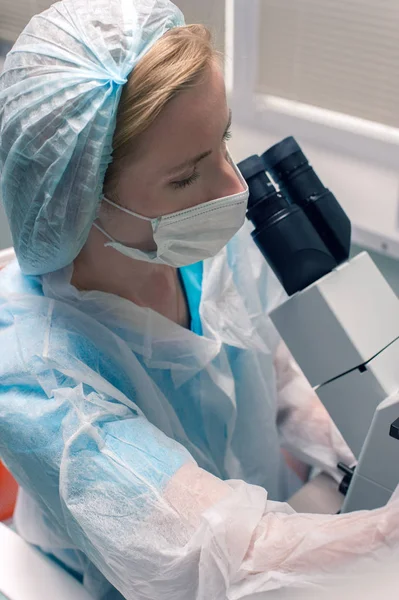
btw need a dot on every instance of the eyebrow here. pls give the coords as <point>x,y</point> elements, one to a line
<point>194,161</point>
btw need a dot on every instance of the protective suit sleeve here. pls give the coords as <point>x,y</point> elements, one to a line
<point>286,550</point>
<point>154,523</point>
<point>306,429</point>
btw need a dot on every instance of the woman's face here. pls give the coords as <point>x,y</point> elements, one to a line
<point>181,161</point>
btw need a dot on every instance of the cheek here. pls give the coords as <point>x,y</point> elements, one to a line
<point>123,227</point>
<point>148,198</point>
<point>128,229</point>
<point>141,194</point>
<point>188,197</point>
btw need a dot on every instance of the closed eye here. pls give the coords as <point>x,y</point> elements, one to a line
<point>227,135</point>
<point>179,185</point>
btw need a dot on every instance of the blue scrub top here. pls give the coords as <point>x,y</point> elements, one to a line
<point>191,277</point>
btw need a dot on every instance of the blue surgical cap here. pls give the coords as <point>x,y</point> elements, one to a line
<point>59,95</point>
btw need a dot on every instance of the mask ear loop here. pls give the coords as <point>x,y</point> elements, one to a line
<point>127,211</point>
<point>104,233</point>
<point>154,222</point>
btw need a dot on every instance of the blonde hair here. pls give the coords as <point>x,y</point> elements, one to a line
<point>175,63</point>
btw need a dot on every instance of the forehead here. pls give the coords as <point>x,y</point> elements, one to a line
<point>190,122</point>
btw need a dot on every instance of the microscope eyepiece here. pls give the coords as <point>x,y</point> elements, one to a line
<point>290,168</point>
<point>284,157</point>
<point>264,201</point>
<point>282,231</point>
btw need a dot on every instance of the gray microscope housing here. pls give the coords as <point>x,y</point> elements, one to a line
<point>343,331</point>
<point>341,320</point>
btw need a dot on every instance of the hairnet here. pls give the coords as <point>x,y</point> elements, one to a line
<point>59,95</point>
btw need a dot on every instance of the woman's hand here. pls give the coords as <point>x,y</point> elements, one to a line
<point>301,469</point>
<point>306,428</point>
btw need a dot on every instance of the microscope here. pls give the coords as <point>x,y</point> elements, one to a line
<point>341,318</point>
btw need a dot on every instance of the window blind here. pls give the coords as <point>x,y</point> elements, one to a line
<point>341,55</point>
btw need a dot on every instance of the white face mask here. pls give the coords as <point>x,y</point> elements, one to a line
<point>190,235</point>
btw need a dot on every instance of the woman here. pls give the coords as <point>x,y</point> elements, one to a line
<point>145,395</point>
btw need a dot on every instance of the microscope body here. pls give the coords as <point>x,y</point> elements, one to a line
<point>343,330</point>
<point>341,320</point>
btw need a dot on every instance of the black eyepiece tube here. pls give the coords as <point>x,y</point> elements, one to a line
<point>283,232</point>
<point>291,170</point>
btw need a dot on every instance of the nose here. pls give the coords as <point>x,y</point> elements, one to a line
<point>229,182</point>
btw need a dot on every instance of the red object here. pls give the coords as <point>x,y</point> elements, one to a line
<point>8,494</point>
